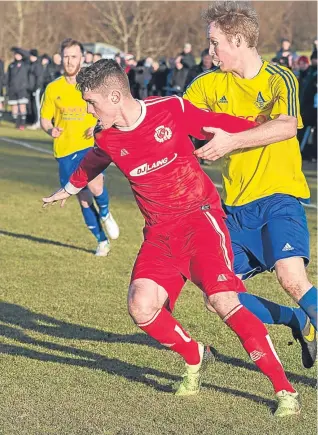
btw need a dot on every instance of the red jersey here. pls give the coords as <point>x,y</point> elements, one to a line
<point>156,156</point>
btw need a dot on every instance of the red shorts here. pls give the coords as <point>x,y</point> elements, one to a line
<point>196,247</point>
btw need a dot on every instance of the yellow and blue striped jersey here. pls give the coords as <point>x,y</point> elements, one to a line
<point>64,103</point>
<point>254,173</point>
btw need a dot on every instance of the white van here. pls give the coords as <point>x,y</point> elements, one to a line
<point>107,51</point>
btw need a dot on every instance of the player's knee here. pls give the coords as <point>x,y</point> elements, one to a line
<point>142,299</point>
<point>207,303</point>
<point>292,276</point>
<point>96,186</point>
<point>224,302</point>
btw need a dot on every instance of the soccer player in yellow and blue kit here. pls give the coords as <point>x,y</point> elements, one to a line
<point>263,183</point>
<point>64,117</point>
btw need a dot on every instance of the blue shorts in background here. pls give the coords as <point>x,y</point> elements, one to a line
<point>265,231</point>
<point>69,164</point>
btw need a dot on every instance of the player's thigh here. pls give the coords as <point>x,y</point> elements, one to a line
<point>154,263</point>
<point>286,234</point>
<point>211,267</point>
<point>246,246</point>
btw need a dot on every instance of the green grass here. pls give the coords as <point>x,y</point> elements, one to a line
<point>72,361</point>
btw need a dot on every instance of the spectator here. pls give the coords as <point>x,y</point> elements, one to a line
<point>287,54</point>
<point>205,65</point>
<point>96,57</point>
<point>178,77</point>
<point>88,59</point>
<point>120,60</point>
<point>2,82</point>
<point>130,62</point>
<point>139,78</point>
<point>188,59</point>
<point>159,73</point>
<point>303,65</point>
<point>308,108</point>
<point>36,79</point>
<point>52,71</point>
<point>18,87</point>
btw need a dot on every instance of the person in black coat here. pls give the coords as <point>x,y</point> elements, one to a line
<point>178,78</point>
<point>18,86</point>
<point>36,79</point>
<point>188,59</point>
<point>205,65</point>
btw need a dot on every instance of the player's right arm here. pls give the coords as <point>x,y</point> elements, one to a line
<point>94,162</point>
<point>47,114</point>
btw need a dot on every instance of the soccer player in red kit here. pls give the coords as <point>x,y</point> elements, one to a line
<point>185,236</point>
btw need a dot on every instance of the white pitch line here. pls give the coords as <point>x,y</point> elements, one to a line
<point>26,145</point>
<point>43,150</point>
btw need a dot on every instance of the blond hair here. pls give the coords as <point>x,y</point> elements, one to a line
<point>233,17</point>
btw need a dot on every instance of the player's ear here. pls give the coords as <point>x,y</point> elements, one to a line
<point>238,40</point>
<point>115,96</point>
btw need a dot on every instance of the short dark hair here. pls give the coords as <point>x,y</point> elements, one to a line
<point>69,42</point>
<point>104,75</point>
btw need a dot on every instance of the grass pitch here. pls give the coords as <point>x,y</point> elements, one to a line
<point>72,361</point>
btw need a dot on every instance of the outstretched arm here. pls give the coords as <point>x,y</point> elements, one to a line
<point>95,162</point>
<point>282,128</point>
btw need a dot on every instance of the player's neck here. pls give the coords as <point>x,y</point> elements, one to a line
<point>129,114</point>
<point>71,80</point>
<point>250,65</point>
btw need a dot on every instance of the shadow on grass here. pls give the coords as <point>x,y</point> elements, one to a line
<point>43,241</point>
<point>94,361</point>
<point>17,317</point>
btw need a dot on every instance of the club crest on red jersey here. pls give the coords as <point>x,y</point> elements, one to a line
<point>163,133</point>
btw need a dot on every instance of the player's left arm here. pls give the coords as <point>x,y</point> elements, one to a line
<point>283,125</point>
<point>94,162</point>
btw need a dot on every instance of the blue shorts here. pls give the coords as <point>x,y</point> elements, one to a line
<point>265,231</point>
<point>69,164</point>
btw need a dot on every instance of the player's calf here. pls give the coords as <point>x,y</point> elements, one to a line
<point>292,276</point>
<point>257,343</point>
<point>146,301</point>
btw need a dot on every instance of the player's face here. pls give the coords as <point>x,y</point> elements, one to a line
<point>72,60</point>
<point>222,50</point>
<point>102,107</point>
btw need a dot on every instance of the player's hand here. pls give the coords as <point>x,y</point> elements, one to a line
<point>60,195</point>
<point>56,132</point>
<point>89,133</point>
<point>221,143</point>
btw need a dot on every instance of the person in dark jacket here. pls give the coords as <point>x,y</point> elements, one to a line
<point>52,70</point>
<point>2,82</point>
<point>139,78</point>
<point>18,86</point>
<point>158,82</point>
<point>178,78</point>
<point>205,65</point>
<point>36,79</point>
<point>308,111</point>
<point>188,59</point>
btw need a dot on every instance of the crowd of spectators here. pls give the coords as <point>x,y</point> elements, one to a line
<point>29,73</point>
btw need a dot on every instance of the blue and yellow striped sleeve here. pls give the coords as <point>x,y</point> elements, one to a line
<point>285,93</point>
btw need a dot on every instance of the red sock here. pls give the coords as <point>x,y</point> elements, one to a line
<point>165,329</point>
<point>257,343</point>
